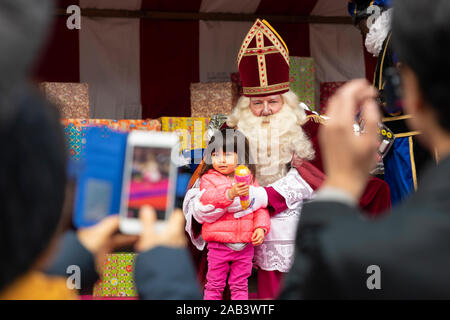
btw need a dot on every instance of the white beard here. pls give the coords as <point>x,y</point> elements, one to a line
<point>274,140</point>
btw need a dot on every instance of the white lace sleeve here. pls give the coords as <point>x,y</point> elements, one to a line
<point>293,188</point>
<point>189,212</point>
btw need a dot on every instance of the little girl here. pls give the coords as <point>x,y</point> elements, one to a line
<point>230,240</point>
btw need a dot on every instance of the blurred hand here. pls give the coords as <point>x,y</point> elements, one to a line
<point>258,237</point>
<point>348,158</point>
<point>171,236</point>
<point>103,238</point>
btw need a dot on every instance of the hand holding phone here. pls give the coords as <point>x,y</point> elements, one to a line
<point>103,238</point>
<point>149,178</point>
<point>173,235</point>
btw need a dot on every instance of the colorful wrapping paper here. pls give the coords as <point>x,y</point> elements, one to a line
<point>126,125</point>
<point>75,140</point>
<point>302,78</point>
<point>117,279</point>
<point>327,89</point>
<point>72,99</point>
<point>212,98</point>
<point>75,131</point>
<point>194,128</point>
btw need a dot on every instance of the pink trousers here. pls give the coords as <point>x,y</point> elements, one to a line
<point>223,260</point>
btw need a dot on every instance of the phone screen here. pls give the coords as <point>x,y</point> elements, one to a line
<point>149,180</point>
<point>98,195</point>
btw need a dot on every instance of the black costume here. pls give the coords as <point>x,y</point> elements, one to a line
<point>335,247</point>
<point>405,161</point>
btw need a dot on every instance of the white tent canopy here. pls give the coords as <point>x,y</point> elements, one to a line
<point>121,58</point>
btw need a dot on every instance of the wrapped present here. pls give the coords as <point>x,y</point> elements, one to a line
<point>191,131</point>
<point>327,89</point>
<point>117,279</point>
<point>75,140</point>
<point>128,125</point>
<point>215,123</point>
<point>208,99</point>
<point>72,99</point>
<point>148,125</point>
<point>302,79</point>
<point>75,131</point>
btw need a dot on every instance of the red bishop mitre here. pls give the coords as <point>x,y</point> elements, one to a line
<point>263,62</point>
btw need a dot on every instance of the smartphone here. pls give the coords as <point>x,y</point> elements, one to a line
<point>385,135</point>
<point>149,178</point>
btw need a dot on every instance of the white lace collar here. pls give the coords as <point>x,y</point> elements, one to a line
<point>378,33</point>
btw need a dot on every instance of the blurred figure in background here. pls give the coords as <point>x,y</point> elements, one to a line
<point>32,162</point>
<point>33,183</point>
<point>404,163</point>
<point>406,254</point>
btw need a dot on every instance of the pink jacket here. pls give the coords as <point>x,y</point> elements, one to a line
<point>228,229</point>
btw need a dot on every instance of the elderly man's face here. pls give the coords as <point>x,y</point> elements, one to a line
<point>266,106</point>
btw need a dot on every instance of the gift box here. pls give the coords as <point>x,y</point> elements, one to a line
<point>128,125</point>
<point>193,128</point>
<point>327,89</point>
<point>302,79</point>
<point>72,99</point>
<point>212,98</point>
<point>117,279</point>
<point>75,131</point>
<point>75,140</point>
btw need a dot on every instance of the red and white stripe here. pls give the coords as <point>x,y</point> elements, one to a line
<point>143,68</point>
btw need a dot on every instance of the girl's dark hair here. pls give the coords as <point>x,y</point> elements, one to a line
<point>229,140</point>
<point>32,182</point>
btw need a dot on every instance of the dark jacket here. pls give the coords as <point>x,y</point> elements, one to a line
<point>160,273</point>
<point>335,246</point>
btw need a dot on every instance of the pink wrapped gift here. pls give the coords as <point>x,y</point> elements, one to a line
<point>212,98</point>
<point>72,99</point>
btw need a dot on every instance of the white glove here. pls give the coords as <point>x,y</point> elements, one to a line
<point>258,199</point>
<point>235,206</point>
<point>205,213</point>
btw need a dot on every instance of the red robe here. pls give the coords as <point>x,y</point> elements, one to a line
<point>376,199</point>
